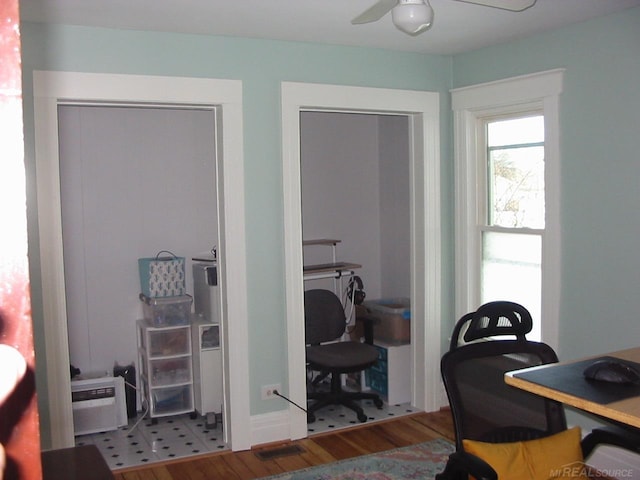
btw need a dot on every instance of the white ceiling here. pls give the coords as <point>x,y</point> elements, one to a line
<point>458,26</point>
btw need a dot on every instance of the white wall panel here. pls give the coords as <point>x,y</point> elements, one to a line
<point>355,188</point>
<point>133,181</point>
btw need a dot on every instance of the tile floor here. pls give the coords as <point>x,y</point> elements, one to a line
<point>336,417</point>
<point>171,437</point>
<point>180,436</point>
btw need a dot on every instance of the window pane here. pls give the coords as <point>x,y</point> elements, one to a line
<point>516,131</point>
<point>516,187</point>
<point>512,270</point>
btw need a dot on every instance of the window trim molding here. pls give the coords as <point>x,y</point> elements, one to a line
<point>534,91</point>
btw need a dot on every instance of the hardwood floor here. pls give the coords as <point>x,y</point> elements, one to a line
<point>316,450</point>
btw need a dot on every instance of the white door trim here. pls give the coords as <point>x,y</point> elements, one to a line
<point>422,108</point>
<point>54,88</point>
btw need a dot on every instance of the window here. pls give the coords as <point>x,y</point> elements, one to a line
<point>507,197</point>
<point>512,225</point>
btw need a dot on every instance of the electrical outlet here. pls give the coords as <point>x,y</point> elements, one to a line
<point>267,391</point>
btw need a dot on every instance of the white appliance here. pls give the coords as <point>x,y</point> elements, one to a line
<point>206,301</point>
<point>207,370</point>
<point>98,404</point>
<point>206,332</point>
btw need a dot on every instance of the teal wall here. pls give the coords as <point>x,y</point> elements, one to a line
<point>600,170</point>
<point>600,114</point>
<point>261,65</point>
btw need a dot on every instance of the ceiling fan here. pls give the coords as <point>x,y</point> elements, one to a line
<point>415,16</point>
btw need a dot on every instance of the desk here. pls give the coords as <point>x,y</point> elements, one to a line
<point>329,270</point>
<point>625,410</point>
<point>333,269</point>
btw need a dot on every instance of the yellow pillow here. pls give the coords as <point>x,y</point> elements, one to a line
<point>554,457</point>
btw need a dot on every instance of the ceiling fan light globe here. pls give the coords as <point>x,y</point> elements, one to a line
<point>412,18</point>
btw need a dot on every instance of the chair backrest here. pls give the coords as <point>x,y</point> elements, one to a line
<point>323,315</point>
<point>491,320</point>
<point>483,406</point>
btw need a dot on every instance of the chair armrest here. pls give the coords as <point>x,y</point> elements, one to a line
<point>463,464</point>
<point>616,436</point>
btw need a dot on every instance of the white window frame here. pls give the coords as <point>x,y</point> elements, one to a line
<point>538,91</point>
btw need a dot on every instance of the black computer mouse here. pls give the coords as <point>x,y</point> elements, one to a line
<point>612,371</point>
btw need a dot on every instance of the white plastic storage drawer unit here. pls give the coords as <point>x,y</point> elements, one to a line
<point>166,370</point>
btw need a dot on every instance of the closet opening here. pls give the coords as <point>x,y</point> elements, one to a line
<point>421,110</point>
<point>355,171</point>
<point>53,92</point>
<point>123,173</point>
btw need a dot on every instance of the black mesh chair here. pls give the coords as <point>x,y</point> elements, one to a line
<point>485,344</point>
<point>325,322</point>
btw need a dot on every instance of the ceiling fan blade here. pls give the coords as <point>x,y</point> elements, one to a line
<point>513,5</point>
<point>375,12</point>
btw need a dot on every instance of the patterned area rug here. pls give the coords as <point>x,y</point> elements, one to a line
<point>421,461</point>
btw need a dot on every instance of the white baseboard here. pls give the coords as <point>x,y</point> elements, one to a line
<point>270,427</point>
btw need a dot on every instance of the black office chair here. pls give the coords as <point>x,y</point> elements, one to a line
<point>325,322</point>
<point>485,344</point>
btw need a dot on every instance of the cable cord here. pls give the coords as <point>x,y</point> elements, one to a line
<point>350,301</point>
<point>276,393</point>
<point>145,411</point>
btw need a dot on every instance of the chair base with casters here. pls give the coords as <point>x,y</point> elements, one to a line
<point>338,396</point>
<point>334,359</point>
